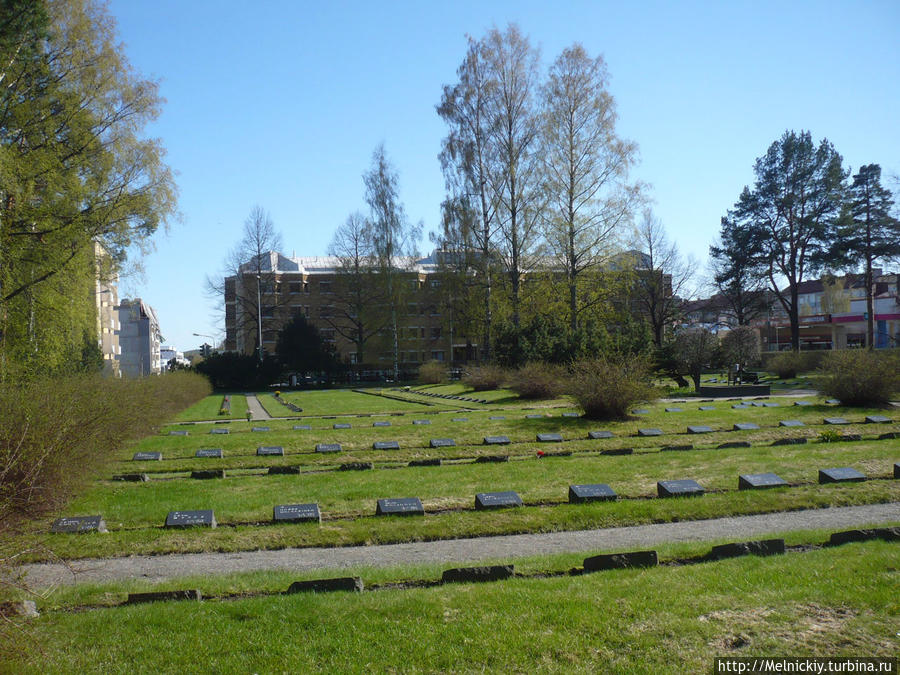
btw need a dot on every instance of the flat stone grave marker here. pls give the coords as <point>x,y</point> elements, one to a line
<point>356,466</point>
<point>209,452</point>
<point>598,492</point>
<point>385,445</point>
<point>571,414</point>
<point>431,461</point>
<point>762,547</point>
<point>877,419</point>
<point>678,488</point>
<point>460,419</point>
<point>534,417</point>
<point>132,477</point>
<point>201,518</point>
<point>496,500</point>
<point>699,430</point>
<point>328,447</point>
<point>802,403</point>
<point>733,444</point>
<point>616,561</point>
<point>147,457</point>
<point>674,410</point>
<point>204,474</point>
<point>640,411</point>
<point>497,417</point>
<point>549,438</point>
<point>496,440</point>
<point>284,470</point>
<point>840,475</point>
<point>740,406</point>
<point>78,525</point>
<point>707,407</point>
<point>836,420</point>
<point>178,433</point>
<point>595,435</point>
<point>791,423</point>
<point>421,421</point>
<point>381,424</point>
<point>296,513</point>
<point>770,405</point>
<point>353,584</point>
<point>407,506</point>
<point>220,431</point>
<point>832,401</point>
<point>442,443</point>
<point>341,426</point>
<point>618,451</point>
<point>487,459</point>
<point>302,427</point>
<point>260,429</point>
<point>264,450</point>
<point>757,481</point>
<point>162,596</point>
<point>799,440</point>
<point>745,426</point>
<point>649,432</point>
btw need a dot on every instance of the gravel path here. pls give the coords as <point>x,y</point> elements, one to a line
<point>457,551</point>
<point>254,406</point>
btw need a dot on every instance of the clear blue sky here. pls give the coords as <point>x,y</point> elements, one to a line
<point>281,104</point>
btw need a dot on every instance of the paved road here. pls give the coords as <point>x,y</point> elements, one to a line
<point>458,551</point>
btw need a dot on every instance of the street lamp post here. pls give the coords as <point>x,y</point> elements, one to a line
<point>259,317</point>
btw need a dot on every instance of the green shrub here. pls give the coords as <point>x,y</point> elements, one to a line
<point>860,377</point>
<point>433,372</point>
<point>485,378</point>
<point>537,380</point>
<point>606,388</point>
<point>787,364</point>
<point>54,433</point>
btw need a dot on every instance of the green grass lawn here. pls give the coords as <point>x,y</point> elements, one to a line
<point>834,601</point>
<point>208,409</point>
<point>345,402</point>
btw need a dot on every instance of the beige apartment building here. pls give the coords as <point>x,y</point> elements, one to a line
<point>280,287</point>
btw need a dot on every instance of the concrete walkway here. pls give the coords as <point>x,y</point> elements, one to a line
<point>254,406</point>
<point>458,551</point>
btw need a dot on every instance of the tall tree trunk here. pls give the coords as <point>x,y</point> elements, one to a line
<point>794,317</point>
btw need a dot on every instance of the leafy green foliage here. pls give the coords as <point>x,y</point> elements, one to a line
<point>607,387</point>
<point>485,378</point>
<point>860,377</point>
<point>433,372</point>
<point>538,380</point>
<point>300,348</point>
<point>232,371</point>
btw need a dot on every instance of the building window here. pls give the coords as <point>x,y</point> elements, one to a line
<point>435,332</point>
<point>295,287</point>
<point>435,283</point>
<point>437,355</point>
<point>324,287</point>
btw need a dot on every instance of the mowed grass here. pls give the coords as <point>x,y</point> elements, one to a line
<point>208,409</point>
<point>243,502</point>
<point>836,601</point>
<point>343,402</point>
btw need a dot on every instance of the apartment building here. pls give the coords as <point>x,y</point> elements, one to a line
<point>139,339</point>
<point>271,291</point>
<point>106,299</point>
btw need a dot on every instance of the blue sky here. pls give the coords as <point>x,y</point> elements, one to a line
<point>281,104</point>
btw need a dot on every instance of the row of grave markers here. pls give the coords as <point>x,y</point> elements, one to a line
<point>578,494</point>
<point>550,437</point>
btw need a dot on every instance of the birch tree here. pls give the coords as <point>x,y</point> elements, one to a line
<point>585,167</point>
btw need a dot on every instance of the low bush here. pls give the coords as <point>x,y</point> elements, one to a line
<point>537,380</point>
<point>433,372</point>
<point>860,377</point>
<point>786,365</point>
<point>485,378</point>
<point>54,433</point>
<point>606,388</point>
